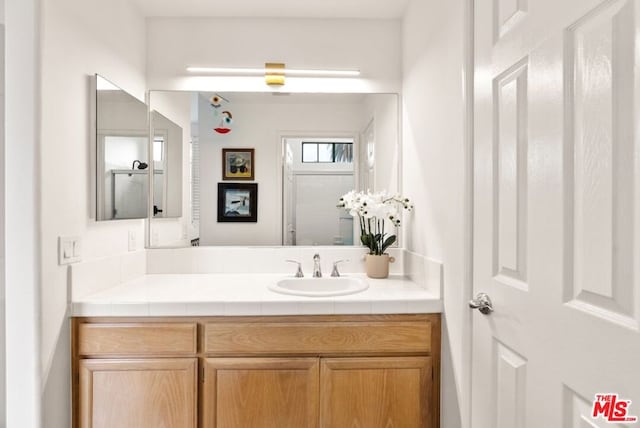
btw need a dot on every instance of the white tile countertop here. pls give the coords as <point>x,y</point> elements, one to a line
<point>247,294</point>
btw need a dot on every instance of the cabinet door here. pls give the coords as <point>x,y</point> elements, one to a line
<point>260,392</point>
<point>138,393</point>
<point>377,392</point>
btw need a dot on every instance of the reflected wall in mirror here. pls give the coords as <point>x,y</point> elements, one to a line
<point>122,146</point>
<point>167,166</point>
<point>355,138</point>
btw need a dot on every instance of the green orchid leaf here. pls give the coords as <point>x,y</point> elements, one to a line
<point>390,240</point>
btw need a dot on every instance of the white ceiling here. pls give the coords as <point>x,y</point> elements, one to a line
<point>369,9</point>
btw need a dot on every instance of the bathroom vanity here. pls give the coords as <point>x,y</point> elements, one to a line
<point>241,368</point>
<point>291,371</point>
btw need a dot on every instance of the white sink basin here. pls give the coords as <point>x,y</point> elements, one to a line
<point>320,287</point>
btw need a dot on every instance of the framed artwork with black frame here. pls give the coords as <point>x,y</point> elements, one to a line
<point>238,202</point>
<point>238,164</point>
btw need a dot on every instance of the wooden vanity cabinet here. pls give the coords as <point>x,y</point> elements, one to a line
<point>259,372</point>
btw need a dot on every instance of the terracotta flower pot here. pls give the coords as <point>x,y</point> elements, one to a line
<point>378,266</point>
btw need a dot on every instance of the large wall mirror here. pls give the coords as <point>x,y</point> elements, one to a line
<point>269,168</point>
<point>122,146</point>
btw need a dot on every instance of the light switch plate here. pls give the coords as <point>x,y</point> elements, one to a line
<point>69,249</point>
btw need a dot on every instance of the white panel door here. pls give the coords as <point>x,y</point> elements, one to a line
<point>557,213</point>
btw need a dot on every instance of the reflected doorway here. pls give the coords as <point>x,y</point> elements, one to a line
<point>316,173</point>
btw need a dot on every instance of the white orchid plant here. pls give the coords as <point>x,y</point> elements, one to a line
<point>374,210</point>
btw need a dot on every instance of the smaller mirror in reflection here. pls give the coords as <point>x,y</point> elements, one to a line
<point>122,167</point>
<point>167,166</point>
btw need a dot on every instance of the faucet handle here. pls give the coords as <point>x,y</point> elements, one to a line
<point>299,273</point>
<point>334,272</point>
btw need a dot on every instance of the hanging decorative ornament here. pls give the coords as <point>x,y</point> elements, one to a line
<point>226,119</point>
<point>216,101</point>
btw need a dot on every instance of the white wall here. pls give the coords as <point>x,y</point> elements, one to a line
<point>79,38</point>
<point>22,212</point>
<point>369,45</point>
<point>433,171</point>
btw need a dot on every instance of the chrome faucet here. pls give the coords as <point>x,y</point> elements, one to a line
<point>334,272</point>
<point>317,272</point>
<point>299,273</point>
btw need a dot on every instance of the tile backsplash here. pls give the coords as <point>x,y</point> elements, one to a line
<point>99,274</point>
<point>260,260</point>
<point>423,270</point>
<point>96,275</point>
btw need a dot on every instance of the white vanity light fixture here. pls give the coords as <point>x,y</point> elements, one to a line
<point>274,72</point>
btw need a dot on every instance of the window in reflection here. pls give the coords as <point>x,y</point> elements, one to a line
<point>313,152</point>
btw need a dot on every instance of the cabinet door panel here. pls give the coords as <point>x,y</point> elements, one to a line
<point>138,393</point>
<point>260,392</point>
<point>376,392</point>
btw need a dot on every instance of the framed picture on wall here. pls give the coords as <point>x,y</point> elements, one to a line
<point>237,164</point>
<point>237,202</point>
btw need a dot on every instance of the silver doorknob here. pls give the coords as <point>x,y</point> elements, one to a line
<point>482,302</point>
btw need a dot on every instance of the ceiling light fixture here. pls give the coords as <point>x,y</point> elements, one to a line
<point>284,70</point>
